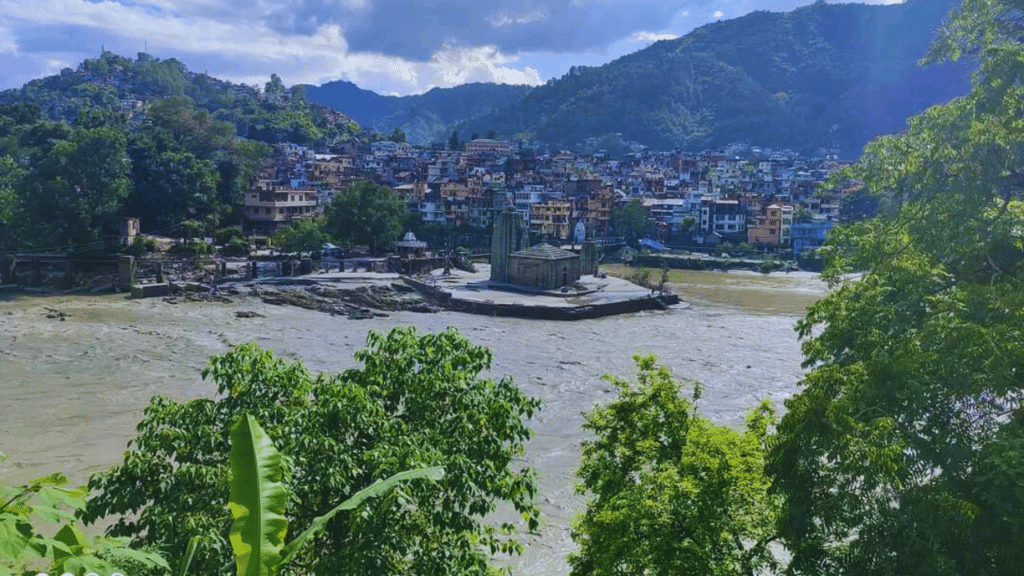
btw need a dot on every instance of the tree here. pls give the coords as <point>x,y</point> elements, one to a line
<point>397,136</point>
<point>46,501</point>
<point>259,502</point>
<point>631,221</point>
<point>300,236</point>
<point>902,453</point>
<point>670,492</point>
<point>366,214</point>
<point>75,184</point>
<point>453,140</point>
<point>10,174</point>
<point>802,215</point>
<point>171,186</point>
<point>275,87</point>
<point>418,400</point>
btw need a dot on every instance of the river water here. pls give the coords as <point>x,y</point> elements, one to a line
<point>72,391</point>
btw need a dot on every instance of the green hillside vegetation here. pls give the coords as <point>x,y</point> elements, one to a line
<point>823,75</point>
<point>424,118</point>
<point>111,84</point>
<point>146,138</point>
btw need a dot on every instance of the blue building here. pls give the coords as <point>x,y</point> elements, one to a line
<point>807,235</point>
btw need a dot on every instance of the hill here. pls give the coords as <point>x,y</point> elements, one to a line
<point>113,84</point>
<point>425,118</point>
<point>825,75</point>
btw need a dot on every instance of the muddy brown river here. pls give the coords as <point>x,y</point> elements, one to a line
<point>72,391</point>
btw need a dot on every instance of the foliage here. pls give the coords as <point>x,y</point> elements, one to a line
<point>140,245</point>
<point>418,400</point>
<point>236,247</point>
<point>10,174</point>
<point>300,236</point>
<point>824,75</point>
<point>631,221</point>
<point>227,234</point>
<point>366,214</point>
<point>259,501</point>
<point>901,454</point>
<point>45,500</point>
<point>670,492</point>
<point>72,186</point>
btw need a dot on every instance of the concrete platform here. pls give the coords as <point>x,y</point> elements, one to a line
<point>475,294</point>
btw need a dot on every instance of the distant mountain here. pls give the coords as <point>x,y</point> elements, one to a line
<point>825,75</point>
<point>425,118</point>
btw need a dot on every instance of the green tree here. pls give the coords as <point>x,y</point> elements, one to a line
<point>417,400</point>
<point>300,236</point>
<point>275,87</point>
<point>631,221</point>
<point>397,135</point>
<point>366,214</point>
<point>74,186</point>
<point>259,502</point>
<point>46,501</point>
<point>670,492</point>
<point>171,186</point>
<point>902,453</point>
<point>10,174</point>
<point>453,140</point>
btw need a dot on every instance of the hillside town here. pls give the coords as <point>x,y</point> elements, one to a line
<point>773,200</point>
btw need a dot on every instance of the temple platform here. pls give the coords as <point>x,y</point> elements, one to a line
<point>590,297</point>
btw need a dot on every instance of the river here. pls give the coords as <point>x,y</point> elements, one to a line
<point>72,391</point>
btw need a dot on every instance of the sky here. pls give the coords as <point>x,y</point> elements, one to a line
<point>395,47</point>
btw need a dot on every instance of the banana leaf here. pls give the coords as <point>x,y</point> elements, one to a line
<point>258,500</point>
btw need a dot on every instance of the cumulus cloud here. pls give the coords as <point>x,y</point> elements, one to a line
<point>391,46</point>
<point>416,30</point>
<point>648,37</point>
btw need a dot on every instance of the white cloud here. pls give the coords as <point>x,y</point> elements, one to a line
<point>718,14</point>
<point>507,17</point>
<point>8,45</point>
<point>254,50</point>
<point>647,37</point>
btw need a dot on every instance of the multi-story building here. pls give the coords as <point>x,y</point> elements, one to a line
<point>724,218</point>
<point>268,206</point>
<point>551,219</point>
<point>771,226</point>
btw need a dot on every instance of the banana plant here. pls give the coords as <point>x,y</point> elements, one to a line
<point>258,502</point>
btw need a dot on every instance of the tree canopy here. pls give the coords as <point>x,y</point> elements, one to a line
<point>300,236</point>
<point>366,214</point>
<point>670,492</point>
<point>902,453</point>
<point>631,221</point>
<point>418,400</point>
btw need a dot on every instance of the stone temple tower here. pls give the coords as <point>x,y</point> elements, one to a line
<point>507,238</point>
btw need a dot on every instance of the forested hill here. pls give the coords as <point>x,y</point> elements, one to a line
<point>425,117</point>
<point>115,85</point>
<point>822,75</point>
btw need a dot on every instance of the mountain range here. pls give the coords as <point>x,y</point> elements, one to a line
<point>824,75</point>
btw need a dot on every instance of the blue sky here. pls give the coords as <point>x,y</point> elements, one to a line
<point>389,46</point>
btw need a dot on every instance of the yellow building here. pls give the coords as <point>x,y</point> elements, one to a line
<point>771,227</point>
<point>551,219</point>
